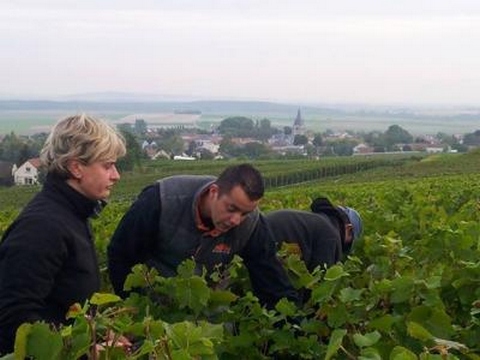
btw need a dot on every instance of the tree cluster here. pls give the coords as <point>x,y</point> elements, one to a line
<point>390,140</point>
<point>243,127</point>
<point>18,149</point>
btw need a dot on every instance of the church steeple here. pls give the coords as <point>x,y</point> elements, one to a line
<point>298,125</point>
<point>298,120</point>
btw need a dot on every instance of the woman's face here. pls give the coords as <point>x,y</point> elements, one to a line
<point>94,180</point>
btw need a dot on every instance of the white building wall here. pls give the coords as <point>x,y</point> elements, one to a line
<point>26,174</point>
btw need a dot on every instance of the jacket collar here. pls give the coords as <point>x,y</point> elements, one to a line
<point>79,203</point>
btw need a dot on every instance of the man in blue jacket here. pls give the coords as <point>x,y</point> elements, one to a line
<point>323,235</point>
<point>203,218</point>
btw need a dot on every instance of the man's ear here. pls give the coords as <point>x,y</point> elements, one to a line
<point>213,190</point>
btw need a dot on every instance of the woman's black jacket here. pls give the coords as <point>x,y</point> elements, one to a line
<point>47,259</point>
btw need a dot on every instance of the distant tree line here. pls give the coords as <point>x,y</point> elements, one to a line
<point>17,149</point>
<point>243,127</point>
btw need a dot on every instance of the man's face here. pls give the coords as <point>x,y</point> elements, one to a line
<point>348,233</point>
<point>230,209</point>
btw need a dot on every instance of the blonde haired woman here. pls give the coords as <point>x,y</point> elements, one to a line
<point>47,255</point>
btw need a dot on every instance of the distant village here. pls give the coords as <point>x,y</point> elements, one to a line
<point>295,140</point>
<point>235,137</point>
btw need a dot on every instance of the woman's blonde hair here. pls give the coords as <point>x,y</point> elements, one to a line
<point>83,138</point>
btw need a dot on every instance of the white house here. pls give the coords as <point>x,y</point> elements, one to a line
<point>183,157</point>
<point>434,149</point>
<point>362,149</point>
<point>27,173</point>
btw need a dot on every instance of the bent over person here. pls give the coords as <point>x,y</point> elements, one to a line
<point>323,236</point>
<point>47,255</point>
<point>203,218</point>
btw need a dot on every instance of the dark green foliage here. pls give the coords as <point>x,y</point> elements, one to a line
<point>265,130</point>
<point>395,134</point>
<point>18,149</point>
<point>237,126</point>
<point>410,290</point>
<point>317,140</point>
<point>300,140</point>
<point>472,138</point>
<point>134,152</point>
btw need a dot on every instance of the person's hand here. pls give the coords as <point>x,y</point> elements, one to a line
<point>112,340</point>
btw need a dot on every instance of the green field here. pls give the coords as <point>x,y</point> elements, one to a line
<point>33,121</point>
<point>277,173</point>
<point>26,122</point>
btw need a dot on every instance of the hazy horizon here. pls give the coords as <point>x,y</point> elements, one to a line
<point>348,51</point>
<point>32,117</point>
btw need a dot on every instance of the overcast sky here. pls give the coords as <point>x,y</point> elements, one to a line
<point>356,51</point>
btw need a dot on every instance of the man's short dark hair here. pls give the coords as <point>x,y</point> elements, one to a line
<point>244,175</point>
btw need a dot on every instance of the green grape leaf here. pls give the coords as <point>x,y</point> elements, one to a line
<point>20,346</point>
<point>222,297</point>
<point>369,354</point>
<point>43,343</point>
<point>104,298</point>
<point>383,323</point>
<point>402,289</point>
<point>418,331</point>
<point>286,307</point>
<point>337,315</point>
<point>401,353</point>
<point>367,339</point>
<point>193,293</point>
<point>335,342</point>
<point>140,277</point>
<point>335,272</point>
<point>349,294</point>
<point>181,354</point>
<point>322,291</point>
